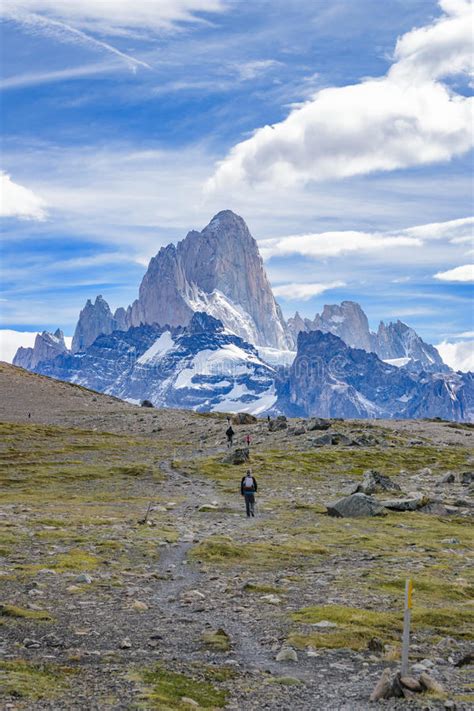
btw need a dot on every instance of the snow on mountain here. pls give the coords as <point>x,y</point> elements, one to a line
<point>203,367</point>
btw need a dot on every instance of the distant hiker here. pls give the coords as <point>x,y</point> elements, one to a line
<point>230,436</point>
<point>228,420</point>
<point>29,415</point>
<point>268,418</point>
<point>248,489</point>
<point>248,439</point>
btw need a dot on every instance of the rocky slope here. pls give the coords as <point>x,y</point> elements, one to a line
<point>198,605</point>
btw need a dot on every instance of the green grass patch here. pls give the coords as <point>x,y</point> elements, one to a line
<point>164,690</point>
<point>22,679</point>
<point>217,640</point>
<point>14,611</point>
<point>222,549</point>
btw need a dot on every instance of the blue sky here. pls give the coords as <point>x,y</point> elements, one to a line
<point>333,128</point>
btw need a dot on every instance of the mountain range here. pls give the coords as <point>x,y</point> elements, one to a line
<point>206,333</point>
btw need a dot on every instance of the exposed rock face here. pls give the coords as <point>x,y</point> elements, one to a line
<point>397,340</point>
<point>329,379</point>
<point>218,270</point>
<point>95,319</point>
<point>347,321</point>
<point>47,346</point>
<point>393,342</point>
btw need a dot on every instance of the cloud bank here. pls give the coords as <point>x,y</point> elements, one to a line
<point>303,292</point>
<point>411,116</point>
<point>18,201</point>
<point>459,356</point>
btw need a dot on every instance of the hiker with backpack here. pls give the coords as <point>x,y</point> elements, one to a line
<point>230,436</point>
<point>248,489</point>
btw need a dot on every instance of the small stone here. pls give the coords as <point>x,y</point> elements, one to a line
<point>287,654</point>
<point>411,683</point>
<point>431,684</point>
<point>376,645</point>
<point>324,624</point>
<point>73,589</point>
<point>448,478</point>
<point>383,687</point>
<point>139,606</point>
<point>450,704</point>
<point>83,578</point>
<point>271,599</point>
<point>125,644</point>
<point>188,701</point>
<point>31,643</point>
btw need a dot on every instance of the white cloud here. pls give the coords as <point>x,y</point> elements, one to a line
<point>18,201</point>
<point>11,340</point>
<point>303,292</point>
<point>407,117</point>
<point>333,244</point>
<point>459,356</point>
<point>463,273</point>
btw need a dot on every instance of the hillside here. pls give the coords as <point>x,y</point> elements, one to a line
<point>291,610</point>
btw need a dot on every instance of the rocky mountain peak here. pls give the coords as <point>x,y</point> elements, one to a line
<point>47,347</point>
<point>218,270</point>
<point>348,321</point>
<point>95,319</point>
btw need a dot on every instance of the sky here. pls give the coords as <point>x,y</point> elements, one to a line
<point>341,131</point>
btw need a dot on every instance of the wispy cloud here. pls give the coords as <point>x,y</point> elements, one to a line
<point>408,117</point>
<point>67,74</point>
<point>303,292</point>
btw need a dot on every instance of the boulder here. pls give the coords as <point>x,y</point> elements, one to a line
<point>407,504</point>
<point>322,441</point>
<point>431,684</point>
<point>297,430</point>
<point>244,418</point>
<point>278,424</point>
<point>356,505</point>
<point>467,477</point>
<point>147,403</point>
<point>437,508</point>
<point>373,481</point>
<point>317,423</point>
<point>237,456</point>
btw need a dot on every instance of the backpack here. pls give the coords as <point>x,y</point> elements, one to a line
<point>248,482</point>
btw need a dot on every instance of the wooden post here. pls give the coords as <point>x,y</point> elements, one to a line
<point>406,626</point>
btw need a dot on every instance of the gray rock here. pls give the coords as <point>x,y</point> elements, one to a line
<point>318,423</point>
<point>297,430</point>
<point>373,482</point>
<point>356,505</point>
<point>83,578</point>
<point>237,456</point>
<point>407,504</point>
<point>287,654</point>
<point>244,418</point>
<point>95,319</point>
<point>448,478</point>
<point>278,424</point>
<point>467,477</point>
<point>437,508</point>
